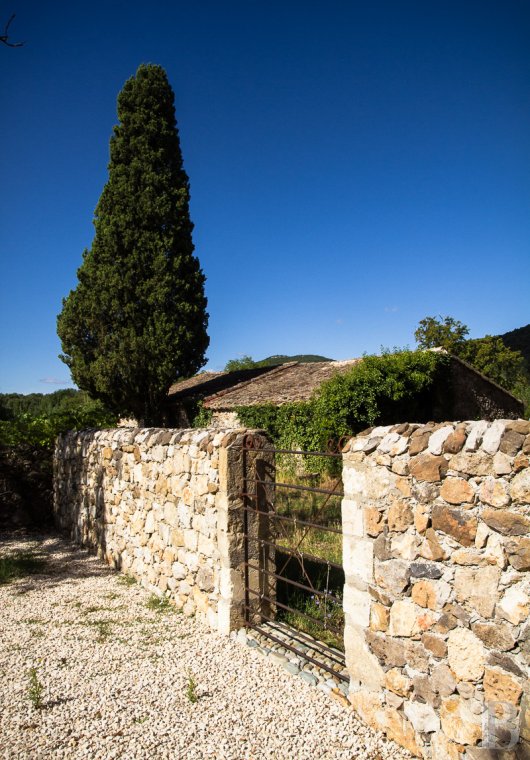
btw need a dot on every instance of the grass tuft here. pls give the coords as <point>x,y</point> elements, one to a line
<point>191,689</point>
<point>35,689</point>
<point>159,603</point>
<point>126,580</point>
<point>19,565</point>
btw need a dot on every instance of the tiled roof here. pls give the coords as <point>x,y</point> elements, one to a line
<point>290,382</point>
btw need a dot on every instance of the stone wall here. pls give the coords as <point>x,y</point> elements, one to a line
<point>436,525</point>
<point>163,506</point>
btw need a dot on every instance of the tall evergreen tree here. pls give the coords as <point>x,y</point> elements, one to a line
<point>137,320</point>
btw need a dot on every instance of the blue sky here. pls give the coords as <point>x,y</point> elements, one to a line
<point>354,166</point>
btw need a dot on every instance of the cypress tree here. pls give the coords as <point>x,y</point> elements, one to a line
<point>136,322</point>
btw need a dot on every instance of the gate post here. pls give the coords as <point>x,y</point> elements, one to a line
<point>242,504</point>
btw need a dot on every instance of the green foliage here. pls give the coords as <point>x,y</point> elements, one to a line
<point>519,340</point>
<point>202,417</point>
<point>136,321</point>
<point>41,432</point>
<point>247,362</point>
<point>159,603</point>
<point>35,689</point>
<point>191,689</point>
<point>495,360</point>
<point>391,387</point>
<point>19,565</point>
<point>489,355</point>
<point>441,332</point>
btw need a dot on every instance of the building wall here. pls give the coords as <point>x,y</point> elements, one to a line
<point>436,523</point>
<point>163,506</point>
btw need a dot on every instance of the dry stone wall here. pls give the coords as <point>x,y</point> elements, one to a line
<point>163,506</point>
<point>436,523</point>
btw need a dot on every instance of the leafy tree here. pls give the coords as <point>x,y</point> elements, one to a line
<point>245,362</point>
<point>488,355</point>
<point>137,320</point>
<point>442,332</point>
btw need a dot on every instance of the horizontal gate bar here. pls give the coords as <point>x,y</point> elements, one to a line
<point>293,553</point>
<point>324,626</point>
<point>293,583</point>
<point>289,451</point>
<point>283,643</point>
<point>275,515</point>
<point>292,486</point>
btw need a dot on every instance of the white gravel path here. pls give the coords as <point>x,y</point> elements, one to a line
<point>116,675</point>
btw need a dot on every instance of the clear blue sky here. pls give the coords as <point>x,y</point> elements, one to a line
<point>354,166</point>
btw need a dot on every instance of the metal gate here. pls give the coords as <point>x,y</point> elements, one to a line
<point>292,536</point>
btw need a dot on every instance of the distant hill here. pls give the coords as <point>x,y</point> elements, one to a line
<point>283,359</point>
<point>519,340</point>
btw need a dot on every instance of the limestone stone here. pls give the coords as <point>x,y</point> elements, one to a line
<point>511,442</point>
<point>495,635</point>
<point>379,617</point>
<point>500,686</point>
<point>520,487</point>
<point>506,662</point>
<point>443,680</point>
<point>422,717</point>
<point>431,594</point>
<point>373,521</point>
<point>428,467</point>
<point>400,466</point>
<point>401,731</point>
<point>518,550</point>
<point>476,463</point>
<point>455,522</point>
<point>515,605</point>
<point>363,665</point>
<point>465,654</point>
<point>478,587</point>
<point>455,440</point>
<point>494,553</point>
<point>435,644</point>
<point>422,516</point>
<point>405,546</point>
<point>494,491</point>
<point>149,526</point>
<point>520,426</point>
<point>403,486</point>
<point>521,462</point>
<point>431,547</point>
<point>398,652</point>
<point>443,749</point>
<point>481,537</point>
<point>418,443</point>
<point>458,722</point>
<point>393,575</point>
<point>492,437</point>
<point>475,432</point>
<point>438,438</point>
<point>404,618</point>
<point>506,522</point>
<point>400,516</point>
<point>469,557</point>
<point>457,491</point>
<point>424,492</point>
<point>502,464</point>
<point>397,682</point>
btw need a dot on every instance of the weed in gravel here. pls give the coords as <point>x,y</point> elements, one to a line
<point>37,633</point>
<point>159,603</point>
<point>103,629</point>
<point>141,720</point>
<point>33,621</point>
<point>112,595</point>
<point>19,565</point>
<point>35,689</point>
<point>126,580</point>
<point>191,689</point>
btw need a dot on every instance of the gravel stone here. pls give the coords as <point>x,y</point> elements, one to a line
<point>116,677</point>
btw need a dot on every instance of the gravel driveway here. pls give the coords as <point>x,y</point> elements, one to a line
<point>122,680</point>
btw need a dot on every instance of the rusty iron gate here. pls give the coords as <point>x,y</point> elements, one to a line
<point>292,561</point>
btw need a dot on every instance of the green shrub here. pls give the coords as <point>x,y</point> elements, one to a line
<point>389,388</point>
